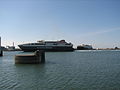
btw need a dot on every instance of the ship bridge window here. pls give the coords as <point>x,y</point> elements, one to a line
<point>67,44</point>
<point>39,44</point>
<point>55,44</point>
<point>32,44</point>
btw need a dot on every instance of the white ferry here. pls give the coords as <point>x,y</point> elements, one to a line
<point>61,45</point>
<point>84,47</point>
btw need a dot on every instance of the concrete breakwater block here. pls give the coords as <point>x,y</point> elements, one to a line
<point>37,58</point>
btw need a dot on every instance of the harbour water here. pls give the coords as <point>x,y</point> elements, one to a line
<point>79,70</point>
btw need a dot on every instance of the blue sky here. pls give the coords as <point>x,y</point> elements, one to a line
<point>95,22</point>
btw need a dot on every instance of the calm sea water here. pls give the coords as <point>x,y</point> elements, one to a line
<point>79,70</point>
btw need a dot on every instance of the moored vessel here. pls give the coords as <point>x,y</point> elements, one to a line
<point>61,45</point>
<point>84,47</point>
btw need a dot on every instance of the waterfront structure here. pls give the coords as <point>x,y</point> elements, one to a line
<point>61,45</point>
<point>37,58</point>
<point>11,48</point>
<point>84,47</point>
<point>116,48</point>
<point>1,52</point>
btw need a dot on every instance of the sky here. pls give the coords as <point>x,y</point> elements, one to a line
<point>94,22</point>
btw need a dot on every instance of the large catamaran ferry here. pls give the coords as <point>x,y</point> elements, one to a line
<point>61,45</point>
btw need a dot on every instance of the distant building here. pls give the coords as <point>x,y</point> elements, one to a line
<point>116,48</point>
<point>11,48</point>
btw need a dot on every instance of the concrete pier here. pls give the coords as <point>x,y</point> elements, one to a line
<point>37,58</point>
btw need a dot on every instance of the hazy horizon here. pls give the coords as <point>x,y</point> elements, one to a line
<point>94,22</point>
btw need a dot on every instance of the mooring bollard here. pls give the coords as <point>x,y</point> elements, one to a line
<point>38,57</point>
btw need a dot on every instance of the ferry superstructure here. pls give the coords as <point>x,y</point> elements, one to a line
<point>61,45</point>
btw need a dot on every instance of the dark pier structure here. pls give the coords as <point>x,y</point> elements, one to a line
<point>1,51</point>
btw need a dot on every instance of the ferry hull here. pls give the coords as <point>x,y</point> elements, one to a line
<point>83,48</point>
<point>55,49</point>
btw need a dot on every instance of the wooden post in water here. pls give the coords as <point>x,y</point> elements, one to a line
<point>1,52</point>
